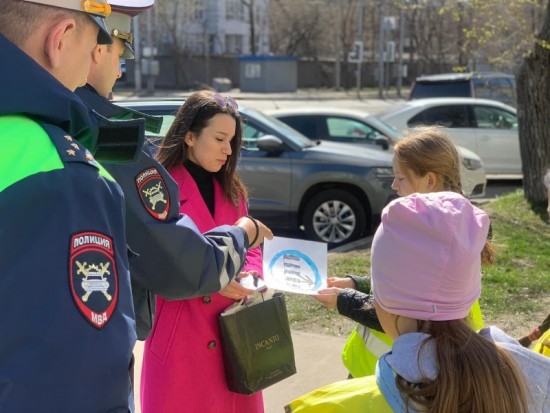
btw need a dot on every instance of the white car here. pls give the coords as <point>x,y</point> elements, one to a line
<point>487,127</point>
<point>357,127</point>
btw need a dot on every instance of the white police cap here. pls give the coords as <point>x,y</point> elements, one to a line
<point>119,21</point>
<point>97,10</point>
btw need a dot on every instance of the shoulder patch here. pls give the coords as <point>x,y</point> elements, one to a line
<point>93,276</point>
<point>153,193</point>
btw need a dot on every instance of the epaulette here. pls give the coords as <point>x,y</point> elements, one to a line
<point>72,151</point>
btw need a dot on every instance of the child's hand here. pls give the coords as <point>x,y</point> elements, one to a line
<point>345,282</point>
<point>328,297</point>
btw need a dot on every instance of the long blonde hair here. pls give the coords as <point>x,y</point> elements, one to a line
<point>475,374</point>
<point>429,149</point>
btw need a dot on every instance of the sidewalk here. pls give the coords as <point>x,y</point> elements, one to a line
<point>317,363</point>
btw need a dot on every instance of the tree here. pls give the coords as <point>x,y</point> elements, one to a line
<point>176,16</point>
<point>250,6</point>
<point>533,85</point>
<point>507,34</point>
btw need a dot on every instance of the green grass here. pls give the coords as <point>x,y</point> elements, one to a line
<point>519,281</point>
<point>515,288</point>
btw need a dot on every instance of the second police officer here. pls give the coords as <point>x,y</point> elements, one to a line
<point>173,259</point>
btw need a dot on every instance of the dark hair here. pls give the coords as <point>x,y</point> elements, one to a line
<point>193,116</point>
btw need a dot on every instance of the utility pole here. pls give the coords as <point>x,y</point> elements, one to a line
<point>151,46</point>
<point>401,37</point>
<point>360,39</point>
<point>381,50</point>
<point>338,46</point>
<point>137,55</point>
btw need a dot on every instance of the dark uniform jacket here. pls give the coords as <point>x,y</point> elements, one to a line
<point>172,259</point>
<point>67,327</point>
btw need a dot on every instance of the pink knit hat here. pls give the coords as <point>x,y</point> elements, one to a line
<point>426,256</point>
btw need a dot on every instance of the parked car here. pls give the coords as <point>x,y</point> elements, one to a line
<point>335,191</point>
<point>487,127</point>
<point>483,85</point>
<point>357,127</point>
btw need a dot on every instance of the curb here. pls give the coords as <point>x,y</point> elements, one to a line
<point>354,245</point>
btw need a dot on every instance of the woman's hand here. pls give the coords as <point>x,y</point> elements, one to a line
<point>255,230</point>
<point>328,297</point>
<point>235,291</point>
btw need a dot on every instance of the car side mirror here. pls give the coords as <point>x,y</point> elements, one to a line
<point>270,144</point>
<point>383,141</point>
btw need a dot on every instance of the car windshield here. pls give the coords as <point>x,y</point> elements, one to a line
<point>391,111</point>
<point>384,128</point>
<point>275,124</point>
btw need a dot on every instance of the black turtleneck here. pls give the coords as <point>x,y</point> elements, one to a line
<point>204,181</point>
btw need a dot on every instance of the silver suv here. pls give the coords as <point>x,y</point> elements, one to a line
<point>483,85</point>
<point>335,191</point>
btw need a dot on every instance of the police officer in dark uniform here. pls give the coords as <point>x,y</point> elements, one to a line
<point>173,259</point>
<point>67,327</point>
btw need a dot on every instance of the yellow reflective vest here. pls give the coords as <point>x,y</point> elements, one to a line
<point>356,395</point>
<point>543,344</point>
<point>365,346</point>
<point>362,350</point>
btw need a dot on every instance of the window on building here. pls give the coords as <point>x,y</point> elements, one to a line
<point>194,10</point>
<point>234,10</point>
<point>194,43</point>
<point>233,43</point>
<point>252,70</point>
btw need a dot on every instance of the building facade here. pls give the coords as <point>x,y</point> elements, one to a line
<point>213,27</point>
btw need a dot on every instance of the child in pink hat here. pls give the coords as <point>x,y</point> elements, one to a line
<point>426,274</point>
<point>425,161</point>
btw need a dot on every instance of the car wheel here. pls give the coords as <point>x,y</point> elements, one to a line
<point>334,216</point>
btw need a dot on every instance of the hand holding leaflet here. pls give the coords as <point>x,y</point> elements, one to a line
<point>295,265</point>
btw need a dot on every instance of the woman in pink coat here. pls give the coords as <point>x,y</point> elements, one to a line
<point>182,362</point>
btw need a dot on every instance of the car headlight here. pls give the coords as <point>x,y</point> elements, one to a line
<point>384,173</point>
<point>472,164</point>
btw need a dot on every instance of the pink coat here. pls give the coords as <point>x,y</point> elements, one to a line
<point>182,361</point>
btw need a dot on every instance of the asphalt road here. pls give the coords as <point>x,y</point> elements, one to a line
<point>501,187</point>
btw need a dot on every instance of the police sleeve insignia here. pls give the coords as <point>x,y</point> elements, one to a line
<point>153,193</point>
<point>93,276</point>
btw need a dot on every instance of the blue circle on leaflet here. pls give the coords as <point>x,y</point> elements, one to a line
<point>306,259</point>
